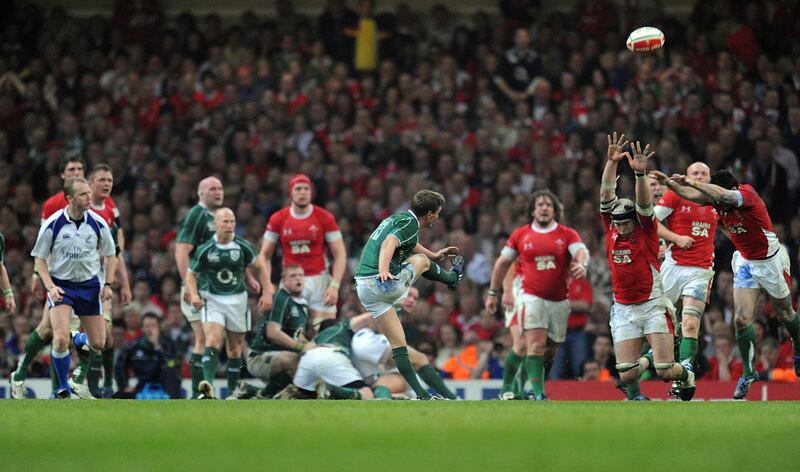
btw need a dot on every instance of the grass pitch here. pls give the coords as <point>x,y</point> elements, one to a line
<point>404,436</point>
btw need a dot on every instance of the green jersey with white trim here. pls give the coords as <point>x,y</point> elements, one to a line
<point>339,335</point>
<point>223,265</point>
<point>289,312</point>
<point>405,227</point>
<point>195,228</point>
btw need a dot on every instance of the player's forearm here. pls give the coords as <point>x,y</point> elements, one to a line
<point>277,336</point>
<point>688,193</point>
<point>666,234</point>
<point>111,267</point>
<point>508,279</point>
<point>339,262</point>
<point>420,249</point>
<point>182,251</point>
<point>5,283</point>
<point>262,275</point>
<point>385,255</point>
<point>608,183</point>
<point>643,198</point>
<point>44,273</point>
<point>715,192</point>
<point>190,283</point>
<point>582,257</point>
<point>499,272</point>
<point>265,256</point>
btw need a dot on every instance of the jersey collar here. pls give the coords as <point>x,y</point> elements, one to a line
<point>551,227</point>
<point>301,217</point>
<point>415,216</point>
<point>229,245</point>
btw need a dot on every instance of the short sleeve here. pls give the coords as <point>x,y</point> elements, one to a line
<point>405,231</point>
<point>187,228</point>
<point>747,196</point>
<point>273,229</point>
<point>329,226</point>
<point>511,250</point>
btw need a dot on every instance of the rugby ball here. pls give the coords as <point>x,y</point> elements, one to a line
<point>645,39</point>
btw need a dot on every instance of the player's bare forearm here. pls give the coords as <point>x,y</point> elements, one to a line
<point>110,268</point>
<point>182,251</point>
<point>265,256</point>
<point>44,274</point>
<point>5,283</point>
<point>643,197</point>
<point>688,193</point>
<point>261,273</point>
<point>339,260</point>
<point>582,257</point>
<point>508,279</point>
<point>667,234</point>
<point>388,246</point>
<point>420,249</point>
<point>190,283</point>
<point>715,193</point>
<point>608,183</point>
<point>277,336</point>
<point>499,272</point>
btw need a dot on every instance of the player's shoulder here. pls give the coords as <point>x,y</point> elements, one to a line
<point>243,243</point>
<point>323,215</point>
<point>567,230</point>
<point>520,231</point>
<point>280,216</point>
<point>669,199</point>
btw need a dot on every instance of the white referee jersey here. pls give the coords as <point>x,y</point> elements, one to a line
<point>74,248</point>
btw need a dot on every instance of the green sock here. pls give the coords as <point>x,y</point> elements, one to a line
<point>108,367</point>
<point>793,327</point>
<point>95,369</point>
<point>82,369</point>
<point>688,349</point>
<point>520,380</point>
<point>746,338</point>
<point>276,383</point>
<point>434,381</point>
<point>210,361</point>
<point>344,393</point>
<point>33,345</point>
<point>196,369</point>
<point>510,369</point>
<point>632,389</point>
<point>234,368</point>
<point>437,274</point>
<point>383,392</point>
<point>400,356</point>
<point>535,367</point>
<point>647,373</point>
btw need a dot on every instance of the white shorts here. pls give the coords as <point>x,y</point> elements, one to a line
<point>369,350</point>
<point>770,274</point>
<point>314,292</point>
<point>637,321</point>
<point>188,310</point>
<point>512,313</point>
<point>230,311</point>
<point>325,363</point>
<point>684,281</point>
<point>540,313</point>
<point>377,298</point>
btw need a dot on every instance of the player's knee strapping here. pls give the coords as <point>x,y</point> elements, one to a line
<point>692,310</point>
<point>626,366</point>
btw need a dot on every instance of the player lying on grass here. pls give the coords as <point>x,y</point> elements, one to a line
<point>640,309</point>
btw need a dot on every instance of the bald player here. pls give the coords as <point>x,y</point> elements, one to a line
<point>687,271</point>
<point>194,229</point>
<point>222,262</point>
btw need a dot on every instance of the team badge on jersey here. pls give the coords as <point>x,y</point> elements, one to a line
<point>235,253</point>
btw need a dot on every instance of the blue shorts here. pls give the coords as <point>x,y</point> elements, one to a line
<point>83,297</point>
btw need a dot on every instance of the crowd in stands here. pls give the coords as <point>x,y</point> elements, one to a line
<point>374,104</point>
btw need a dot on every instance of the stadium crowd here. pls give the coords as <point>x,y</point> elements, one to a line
<point>484,108</point>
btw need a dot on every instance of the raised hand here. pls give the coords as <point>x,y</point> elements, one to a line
<point>615,145</point>
<point>640,157</point>
<point>659,177</point>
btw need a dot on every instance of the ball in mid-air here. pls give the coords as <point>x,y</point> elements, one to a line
<point>645,39</point>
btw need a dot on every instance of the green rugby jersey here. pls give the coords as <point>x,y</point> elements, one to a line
<point>2,248</point>
<point>289,312</point>
<point>405,227</point>
<point>195,228</point>
<point>339,335</point>
<point>223,265</point>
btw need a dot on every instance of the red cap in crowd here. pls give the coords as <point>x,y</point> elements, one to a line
<point>299,179</point>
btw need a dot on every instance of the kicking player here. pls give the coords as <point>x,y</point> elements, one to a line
<point>74,239</point>
<point>280,337</point>
<point>548,254</point>
<point>195,228</point>
<point>687,271</point>
<point>759,262</point>
<point>303,229</point>
<point>391,262</point>
<point>71,167</point>
<point>222,261</point>
<point>640,308</point>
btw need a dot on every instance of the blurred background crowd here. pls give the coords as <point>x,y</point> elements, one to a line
<point>484,107</point>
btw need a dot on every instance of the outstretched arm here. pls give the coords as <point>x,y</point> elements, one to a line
<point>638,162</point>
<point>683,191</point>
<point>608,184</point>
<point>716,193</point>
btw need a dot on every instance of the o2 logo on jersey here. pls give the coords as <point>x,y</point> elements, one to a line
<point>621,256</point>
<point>225,276</point>
<point>300,247</point>
<point>737,229</point>
<point>700,228</point>
<point>545,262</point>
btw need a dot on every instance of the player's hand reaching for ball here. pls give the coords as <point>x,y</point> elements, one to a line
<point>449,251</point>
<point>615,145</point>
<point>640,157</point>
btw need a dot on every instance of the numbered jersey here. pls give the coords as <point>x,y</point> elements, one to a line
<point>687,218</point>
<point>403,226</point>
<point>633,260</point>
<point>543,258</point>
<point>749,227</point>
<point>303,239</point>
<point>223,265</point>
